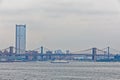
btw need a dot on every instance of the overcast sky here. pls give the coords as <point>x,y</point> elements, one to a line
<point>62,24</point>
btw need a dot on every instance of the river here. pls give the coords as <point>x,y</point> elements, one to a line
<point>60,71</point>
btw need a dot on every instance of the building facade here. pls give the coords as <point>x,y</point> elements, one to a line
<point>20,39</point>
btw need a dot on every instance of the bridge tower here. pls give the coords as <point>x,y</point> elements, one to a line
<point>11,49</point>
<point>41,49</point>
<point>94,52</point>
<point>108,50</point>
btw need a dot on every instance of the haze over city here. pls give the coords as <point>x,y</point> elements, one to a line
<point>64,24</point>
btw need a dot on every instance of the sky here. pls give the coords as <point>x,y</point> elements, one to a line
<point>62,24</point>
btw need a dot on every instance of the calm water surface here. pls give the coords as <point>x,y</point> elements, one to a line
<point>59,71</point>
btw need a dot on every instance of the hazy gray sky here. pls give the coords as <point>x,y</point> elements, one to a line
<point>62,24</point>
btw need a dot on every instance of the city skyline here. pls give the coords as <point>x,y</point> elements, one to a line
<point>66,24</point>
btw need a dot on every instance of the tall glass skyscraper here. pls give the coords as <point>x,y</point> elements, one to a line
<point>20,39</point>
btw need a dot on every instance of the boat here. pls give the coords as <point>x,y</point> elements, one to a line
<point>59,61</point>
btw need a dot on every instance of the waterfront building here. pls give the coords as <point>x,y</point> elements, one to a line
<point>20,39</point>
<point>58,52</point>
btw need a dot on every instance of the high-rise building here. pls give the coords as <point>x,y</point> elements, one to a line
<point>20,39</point>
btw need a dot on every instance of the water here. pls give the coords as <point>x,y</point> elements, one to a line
<point>59,71</point>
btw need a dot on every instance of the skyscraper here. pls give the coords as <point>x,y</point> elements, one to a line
<point>20,39</point>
